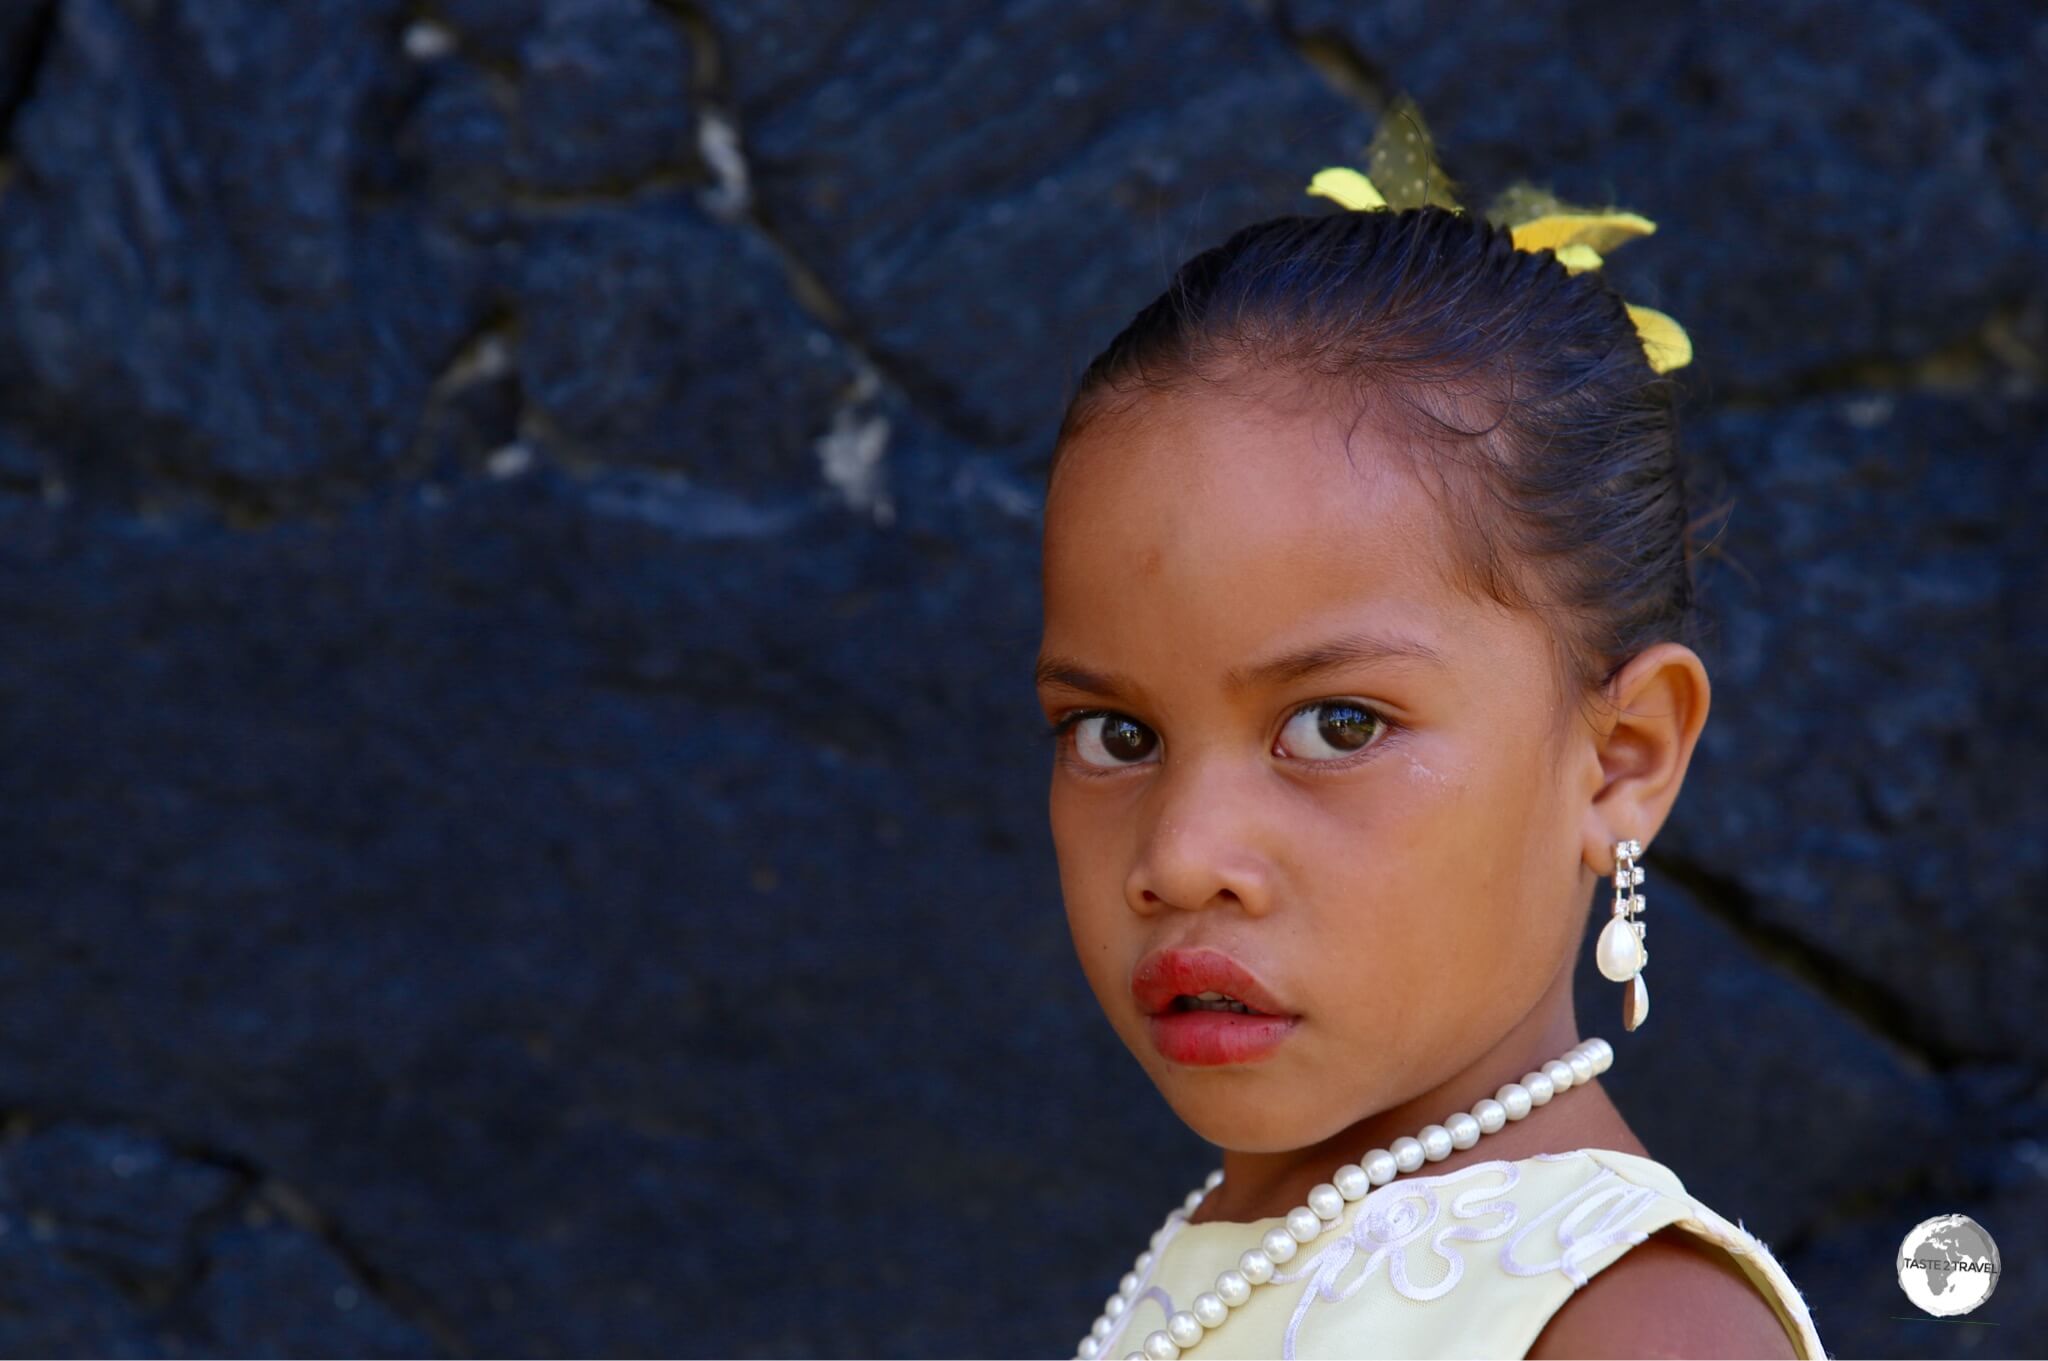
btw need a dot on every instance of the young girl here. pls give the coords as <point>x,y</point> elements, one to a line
<point>1368,585</point>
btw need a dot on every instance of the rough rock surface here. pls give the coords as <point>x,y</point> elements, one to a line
<point>518,548</point>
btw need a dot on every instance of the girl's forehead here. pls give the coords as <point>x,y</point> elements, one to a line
<point>1201,506</point>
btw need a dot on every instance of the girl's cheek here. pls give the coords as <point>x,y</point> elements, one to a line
<point>1428,776</point>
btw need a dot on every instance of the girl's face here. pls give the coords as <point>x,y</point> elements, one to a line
<point>1290,739</point>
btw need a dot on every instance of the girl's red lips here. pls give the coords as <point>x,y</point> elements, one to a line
<point>1163,975</point>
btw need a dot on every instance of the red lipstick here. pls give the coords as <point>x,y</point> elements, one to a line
<point>1167,985</point>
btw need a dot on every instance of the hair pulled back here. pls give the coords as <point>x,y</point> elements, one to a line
<point>1574,504</point>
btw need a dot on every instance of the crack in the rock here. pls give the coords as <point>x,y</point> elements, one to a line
<point>155,1293</point>
<point>39,38</point>
<point>1998,356</point>
<point>484,355</point>
<point>253,1186</point>
<point>536,201</point>
<point>1875,1005</point>
<point>425,18</point>
<point>241,503</point>
<point>719,124</point>
<point>1880,1011</point>
<point>405,1300</point>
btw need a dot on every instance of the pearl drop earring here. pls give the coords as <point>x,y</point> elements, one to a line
<point>1621,953</point>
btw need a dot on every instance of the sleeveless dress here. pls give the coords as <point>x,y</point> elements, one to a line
<point>1470,1263</point>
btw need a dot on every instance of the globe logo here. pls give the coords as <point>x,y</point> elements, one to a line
<point>1948,1265</point>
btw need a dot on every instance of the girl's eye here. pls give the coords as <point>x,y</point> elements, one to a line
<point>1331,729</point>
<point>1108,740</point>
<point>1326,731</point>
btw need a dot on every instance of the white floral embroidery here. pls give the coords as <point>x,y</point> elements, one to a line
<point>1402,1213</point>
<point>1624,1202</point>
<point>1398,1214</point>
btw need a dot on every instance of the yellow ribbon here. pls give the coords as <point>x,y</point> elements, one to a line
<point>1403,159</point>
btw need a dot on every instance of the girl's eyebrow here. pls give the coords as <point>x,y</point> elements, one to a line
<point>1351,649</point>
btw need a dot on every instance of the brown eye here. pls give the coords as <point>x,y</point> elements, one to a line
<point>1331,729</point>
<point>1106,739</point>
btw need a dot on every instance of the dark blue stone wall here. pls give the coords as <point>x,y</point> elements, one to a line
<point>522,812</point>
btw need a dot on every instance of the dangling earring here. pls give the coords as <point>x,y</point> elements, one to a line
<point>1621,953</point>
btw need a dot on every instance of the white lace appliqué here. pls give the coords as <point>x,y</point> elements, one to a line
<point>1619,1202</point>
<point>1441,1210</point>
<point>1398,1215</point>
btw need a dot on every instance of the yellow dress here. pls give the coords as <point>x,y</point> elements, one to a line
<point>1469,1263</point>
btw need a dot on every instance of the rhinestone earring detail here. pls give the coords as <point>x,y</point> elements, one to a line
<point>1621,953</point>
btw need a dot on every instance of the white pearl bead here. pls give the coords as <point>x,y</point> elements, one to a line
<point>1464,1130</point>
<point>1144,1263</point>
<point>1581,1065</point>
<point>1209,1309</point>
<point>1352,1182</point>
<point>1380,1166</point>
<point>1541,1089</point>
<point>1115,1308</point>
<point>1279,1245</point>
<point>1603,1055</point>
<point>1184,1328</point>
<point>1560,1074</point>
<point>1516,1098</point>
<point>1088,1348</point>
<point>1102,1327</point>
<point>1303,1224</point>
<point>1327,1201</point>
<point>1256,1266</point>
<point>1436,1142</point>
<point>1409,1153</point>
<point>1160,1347</point>
<point>1214,1180</point>
<point>1136,1356</point>
<point>1129,1284</point>
<point>1232,1288</point>
<point>1159,1234</point>
<point>1491,1115</point>
<point>1194,1199</point>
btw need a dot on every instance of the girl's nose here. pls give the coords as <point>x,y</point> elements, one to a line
<point>1207,845</point>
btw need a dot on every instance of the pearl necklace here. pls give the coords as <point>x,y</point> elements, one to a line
<point>1306,1223</point>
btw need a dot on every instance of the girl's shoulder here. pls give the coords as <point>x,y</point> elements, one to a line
<point>1698,1284</point>
<point>1674,1294</point>
<point>1472,1262</point>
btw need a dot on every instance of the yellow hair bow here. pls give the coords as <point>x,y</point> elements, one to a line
<point>1402,158</point>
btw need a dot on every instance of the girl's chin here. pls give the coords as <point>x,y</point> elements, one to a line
<point>1246,1115</point>
<point>1232,1132</point>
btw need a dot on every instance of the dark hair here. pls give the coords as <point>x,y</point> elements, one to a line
<point>1576,505</point>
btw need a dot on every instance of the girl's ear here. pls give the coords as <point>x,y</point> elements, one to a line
<point>1658,704</point>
